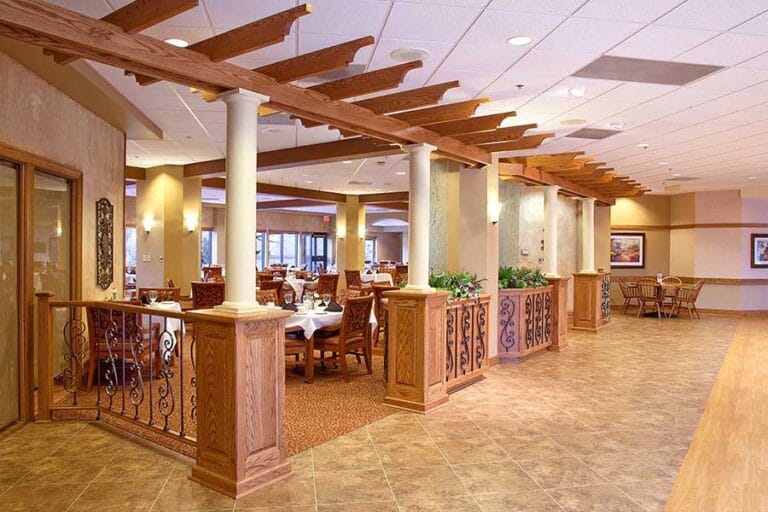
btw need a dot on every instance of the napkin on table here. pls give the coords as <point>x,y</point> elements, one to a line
<point>334,307</point>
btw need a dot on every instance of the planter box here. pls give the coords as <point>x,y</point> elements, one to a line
<point>466,341</point>
<point>525,322</point>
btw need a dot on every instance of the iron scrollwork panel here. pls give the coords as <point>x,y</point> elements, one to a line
<point>508,327</point>
<point>605,296</point>
<point>104,243</point>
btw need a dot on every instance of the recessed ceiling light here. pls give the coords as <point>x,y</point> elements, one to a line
<point>308,181</point>
<point>752,177</point>
<point>401,173</point>
<point>676,174</point>
<point>643,145</point>
<point>346,161</point>
<point>577,92</point>
<point>379,189</point>
<point>663,163</point>
<point>519,40</point>
<point>177,42</point>
<point>409,54</point>
<point>616,125</point>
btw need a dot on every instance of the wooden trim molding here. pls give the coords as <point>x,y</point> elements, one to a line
<point>702,225</point>
<point>721,281</point>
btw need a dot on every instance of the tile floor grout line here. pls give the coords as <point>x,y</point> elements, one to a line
<point>383,470</point>
<point>314,477</point>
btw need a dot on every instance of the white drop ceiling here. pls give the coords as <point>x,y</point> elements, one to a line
<point>715,129</point>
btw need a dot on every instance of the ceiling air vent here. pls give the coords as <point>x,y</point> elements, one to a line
<point>592,133</point>
<point>682,178</point>
<point>645,71</point>
<point>354,182</point>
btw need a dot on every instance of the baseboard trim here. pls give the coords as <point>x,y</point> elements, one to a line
<point>708,311</point>
<point>493,361</point>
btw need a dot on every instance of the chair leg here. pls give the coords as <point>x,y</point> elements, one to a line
<point>344,370</point>
<point>640,307</point>
<point>357,357</point>
<point>367,354</point>
<point>626,305</point>
<point>658,309</point>
<point>696,310</point>
<point>309,360</point>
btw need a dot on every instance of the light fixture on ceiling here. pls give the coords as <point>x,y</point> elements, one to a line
<point>519,40</point>
<point>401,173</point>
<point>175,41</point>
<point>663,163</point>
<point>346,161</point>
<point>676,174</point>
<point>578,91</point>
<point>409,54</point>
<point>308,181</point>
<point>617,125</point>
<point>751,177</point>
<point>644,145</point>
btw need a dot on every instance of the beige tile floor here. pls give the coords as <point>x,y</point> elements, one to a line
<point>603,426</point>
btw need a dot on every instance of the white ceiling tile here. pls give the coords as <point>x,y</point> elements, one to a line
<point>632,92</point>
<point>437,51</point>
<point>515,85</point>
<point>551,105</point>
<point>193,18</point>
<point>551,63</point>
<point>472,82</point>
<point>757,26</point>
<point>495,26</point>
<point>93,8</point>
<point>627,10</point>
<point>726,50</point>
<point>483,57</point>
<point>428,22</point>
<point>661,42</point>
<point>312,42</point>
<point>713,14</point>
<point>731,79</point>
<point>759,62</point>
<point>347,17</point>
<point>597,110</point>
<point>540,6</point>
<point>588,35</point>
<point>189,34</point>
<point>588,87</point>
<point>228,14</point>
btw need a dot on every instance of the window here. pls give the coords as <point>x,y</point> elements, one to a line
<point>261,254</point>
<point>370,249</point>
<point>130,246</point>
<point>208,248</point>
<point>283,248</point>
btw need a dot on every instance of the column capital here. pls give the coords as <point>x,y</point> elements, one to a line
<point>587,200</point>
<point>552,187</point>
<point>417,148</point>
<point>242,95</point>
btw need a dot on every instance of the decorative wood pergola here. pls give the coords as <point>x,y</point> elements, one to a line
<point>373,126</point>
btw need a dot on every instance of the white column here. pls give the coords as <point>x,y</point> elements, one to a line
<point>550,230</point>
<point>242,133</point>
<point>418,216</point>
<point>588,235</point>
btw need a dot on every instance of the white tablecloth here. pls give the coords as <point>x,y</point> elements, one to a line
<point>298,287</point>
<point>168,326</point>
<point>313,321</point>
<point>381,277</point>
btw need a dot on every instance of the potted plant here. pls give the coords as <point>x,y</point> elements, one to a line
<point>460,285</point>
<point>525,313</point>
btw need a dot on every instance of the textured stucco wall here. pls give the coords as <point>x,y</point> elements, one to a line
<point>439,205</point>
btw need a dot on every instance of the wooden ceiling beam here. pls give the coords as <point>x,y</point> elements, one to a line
<point>281,190</point>
<point>471,125</point>
<point>135,17</point>
<point>551,160</point>
<point>395,205</point>
<point>312,154</point>
<point>315,63</point>
<point>367,83</point>
<point>384,197</point>
<point>398,101</point>
<point>538,176</point>
<point>527,142</point>
<point>135,173</point>
<point>441,113</point>
<point>509,133</point>
<point>43,24</point>
<point>248,38</point>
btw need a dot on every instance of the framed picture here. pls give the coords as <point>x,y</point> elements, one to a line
<point>759,250</point>
<point>627,250</point>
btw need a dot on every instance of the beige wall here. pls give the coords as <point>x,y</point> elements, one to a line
<point>37,118</point>
<point>389,245</point>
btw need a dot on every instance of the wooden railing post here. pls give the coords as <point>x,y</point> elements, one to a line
<point>589,301</point>
<point>240,361</point>
<point>44,351</point>
<point>560,313</point>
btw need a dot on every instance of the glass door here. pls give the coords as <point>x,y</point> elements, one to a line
<point>319,249</point>
<point>9,285</point>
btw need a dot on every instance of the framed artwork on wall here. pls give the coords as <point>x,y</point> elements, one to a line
<point>627,250</point>
<point>759,250</point>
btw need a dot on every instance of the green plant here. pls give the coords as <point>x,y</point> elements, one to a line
<point>521,277</point>
<point>459,284</point>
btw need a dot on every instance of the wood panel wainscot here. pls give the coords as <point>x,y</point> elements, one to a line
<point>591,300</point>
<point>466,340</point>
<point>525,322</point>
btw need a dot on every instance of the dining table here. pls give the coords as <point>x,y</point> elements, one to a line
<point>169,327</point>
<point>378,277</point>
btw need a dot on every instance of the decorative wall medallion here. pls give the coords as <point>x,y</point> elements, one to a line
<point>105,213</point>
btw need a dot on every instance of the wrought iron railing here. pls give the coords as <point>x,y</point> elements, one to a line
<point>466,341</point>
<point>605,297</point>
<point>122,363</point>
<point>525,321</point>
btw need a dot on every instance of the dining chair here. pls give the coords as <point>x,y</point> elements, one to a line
<point>630,292</point>
<point>297,345</point>
<point>687,297</point>
<point>113,333</point>
<point>264,275</point>
<point>327,284</point>
<point>275,285</point>
<point>378,308</point>
<point>354,335</point>
<point>670,292</point>
<point>301,274</point>
<point>650,292</point>
<point>354,282</point>
<point>206,295</point>
<point>163,294</point>
<point>212,273</point>
<point>401,274</point>
<point>264,297</point>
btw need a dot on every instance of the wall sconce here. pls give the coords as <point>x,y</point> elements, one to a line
<point>341,230</point>
<point>190,222</point>
<point>59,230</point>
<point>361,232</point>
<point>148,222</point>
<point>494,212</point>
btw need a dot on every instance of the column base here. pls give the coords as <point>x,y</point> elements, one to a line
<point>240,308</point>
<point>237,489</point>
<point>552,276</point>
<point>421,288</point>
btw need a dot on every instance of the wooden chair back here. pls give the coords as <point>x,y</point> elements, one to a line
<point>279,271</point>
<point>163,294</point>
<point>356,320</point>
<point>378,297</point>
<point>264,297</point>
<point>206,295</point>
<point>327,283</point>
<point>353,278</point>
<point>277,287</point>
<point>628,291</point>
<point>401,274</point>
<point>649,290</point>
<point>690,294</point>
<point>671,280</point>
<point>301,274</point>
<point>212,273</point>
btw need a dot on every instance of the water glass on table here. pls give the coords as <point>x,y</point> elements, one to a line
<point>152,296</point>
